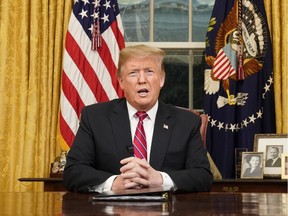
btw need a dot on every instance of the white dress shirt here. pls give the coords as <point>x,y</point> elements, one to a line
<point>148,124</point>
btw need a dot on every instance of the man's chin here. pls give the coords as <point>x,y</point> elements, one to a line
<point>144,104</point>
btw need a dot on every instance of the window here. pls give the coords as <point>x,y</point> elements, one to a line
<point>179,27</point>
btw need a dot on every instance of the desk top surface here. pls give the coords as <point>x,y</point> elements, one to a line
<point>65,203</point>
<point>271,180</point>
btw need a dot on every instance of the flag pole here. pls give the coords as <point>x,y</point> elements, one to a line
<point>240,71</point>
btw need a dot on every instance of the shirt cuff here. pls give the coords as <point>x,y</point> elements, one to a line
<point>105,186</point>
<point>167,181</point>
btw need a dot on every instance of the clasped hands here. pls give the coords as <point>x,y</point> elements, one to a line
<point>136,173</point>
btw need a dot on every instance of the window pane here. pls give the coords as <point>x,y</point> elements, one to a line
<point>177,82</point>
<point>198,79</point>
<point>135,18</point>
<point>175,90</point>
<point>201,15</point>
<point>171,21</point>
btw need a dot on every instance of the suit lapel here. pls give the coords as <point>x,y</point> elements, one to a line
<point>162,131</point>
<point>161,136</point>
<point>121,129</point>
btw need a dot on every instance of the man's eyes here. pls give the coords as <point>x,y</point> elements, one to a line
<point>150,72</point>
<point>136,73</point>
<point>133,73</point>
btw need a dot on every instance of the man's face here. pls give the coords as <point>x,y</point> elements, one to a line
<point>273,153</point>
<point>142,79</point>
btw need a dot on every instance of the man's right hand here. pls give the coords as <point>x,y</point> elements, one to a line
<point>118,183</point>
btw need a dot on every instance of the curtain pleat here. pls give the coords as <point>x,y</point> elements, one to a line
<point>276,11</point>
<point>31,50</point>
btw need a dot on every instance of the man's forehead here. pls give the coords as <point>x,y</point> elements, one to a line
<point>142,63</point>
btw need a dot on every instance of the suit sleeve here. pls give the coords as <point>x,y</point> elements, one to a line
<point>81,170</point>
<point>193,172</point>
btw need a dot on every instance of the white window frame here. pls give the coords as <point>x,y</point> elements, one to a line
<point>189,45</point>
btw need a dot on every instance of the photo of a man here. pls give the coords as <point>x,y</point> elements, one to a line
<point>273,156</point>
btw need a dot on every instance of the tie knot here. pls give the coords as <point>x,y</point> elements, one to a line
<point>141,115</point>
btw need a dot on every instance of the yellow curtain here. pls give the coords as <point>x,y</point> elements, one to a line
<point>276,11</point>
<point>31,46</point>
<point>32,34</point>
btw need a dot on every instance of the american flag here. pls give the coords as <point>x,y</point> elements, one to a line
<point>94,39</point>
<point>223,67</point>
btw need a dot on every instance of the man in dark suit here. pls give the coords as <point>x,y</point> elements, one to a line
<point>274,160</point>
<point>101,157</point>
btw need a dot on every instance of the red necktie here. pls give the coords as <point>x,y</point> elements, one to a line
<point>140,145</point>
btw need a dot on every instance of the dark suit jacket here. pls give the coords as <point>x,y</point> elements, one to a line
<point>104,137</point>
<point>276,164</point>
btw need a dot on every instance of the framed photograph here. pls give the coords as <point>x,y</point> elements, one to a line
<point>238,161</point>
<point>252,165</point>
<point>284,160</point>
<point>272,145</point>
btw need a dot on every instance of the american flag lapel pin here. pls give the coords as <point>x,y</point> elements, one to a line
<point>165,126</point>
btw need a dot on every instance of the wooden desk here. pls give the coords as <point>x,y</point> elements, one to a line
<point>50,184</point>
<point>65,203</point>
<point>250,185</point>
<point>224,185</point>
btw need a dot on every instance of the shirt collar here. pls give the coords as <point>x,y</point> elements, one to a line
<point>151,113</point>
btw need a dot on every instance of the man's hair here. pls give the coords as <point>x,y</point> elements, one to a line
<point>139,51</point>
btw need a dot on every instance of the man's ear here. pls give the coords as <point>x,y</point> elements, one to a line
<point>162,82</point>
<point>120,81</point>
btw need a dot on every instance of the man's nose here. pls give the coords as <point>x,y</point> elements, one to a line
<point>142,76</point>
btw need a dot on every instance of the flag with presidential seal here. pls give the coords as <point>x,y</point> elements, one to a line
<point>239,95</point>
